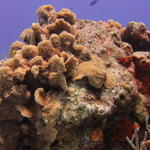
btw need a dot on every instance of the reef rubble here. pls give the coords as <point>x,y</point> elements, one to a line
<point>74,84</point>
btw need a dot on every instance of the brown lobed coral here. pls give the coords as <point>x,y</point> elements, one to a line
<point>66,84</point>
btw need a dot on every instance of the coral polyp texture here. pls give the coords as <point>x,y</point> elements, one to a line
<point>74,84</point>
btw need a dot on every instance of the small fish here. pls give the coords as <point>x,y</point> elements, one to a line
<point>93,2</point>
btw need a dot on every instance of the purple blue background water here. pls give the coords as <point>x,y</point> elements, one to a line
<point>16,15</point>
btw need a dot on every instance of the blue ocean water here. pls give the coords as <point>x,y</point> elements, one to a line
<point>16,15</point>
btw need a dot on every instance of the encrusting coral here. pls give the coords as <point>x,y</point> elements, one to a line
<point>96,73</point>
<point>66,84</point>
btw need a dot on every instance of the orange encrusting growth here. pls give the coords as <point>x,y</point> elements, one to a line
<point>97,136</point>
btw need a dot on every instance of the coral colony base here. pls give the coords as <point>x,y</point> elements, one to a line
<point>75,84</point>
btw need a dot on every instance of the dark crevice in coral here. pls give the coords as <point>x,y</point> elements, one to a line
<point>137,44</point>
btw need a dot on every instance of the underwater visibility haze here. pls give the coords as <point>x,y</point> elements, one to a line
<point>17,15</point>
<point>74,75</point>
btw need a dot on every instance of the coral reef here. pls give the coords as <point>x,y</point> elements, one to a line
<point>74,84</point>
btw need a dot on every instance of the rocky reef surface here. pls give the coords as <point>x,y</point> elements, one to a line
<point>74,84</point>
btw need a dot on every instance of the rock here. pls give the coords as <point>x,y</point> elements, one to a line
<point>136,34</point>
